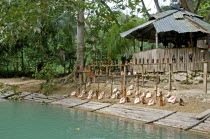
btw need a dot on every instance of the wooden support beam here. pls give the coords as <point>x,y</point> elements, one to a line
<point>156,39</point>
<point>98,85</point>
<point>124,78</point>
<point>169,78</point>
<point>112,83</point>
<point>205,75</point>
<point>142,73</point>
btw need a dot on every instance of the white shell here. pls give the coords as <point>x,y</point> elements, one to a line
<point>89,96</point>
<point>131,87</point>
<point>168,95</point>
<point>143,94</point>
<point>73,93</point>
<point>149,95</point>
<point>101,95</point>
<point>83,91</point>
<point>113,96</point>
<point>172,99</point>
<point>90,92</point>
<point>128,92</point>
<point>151,102</point>
<point>122,100</point>
<point>81,94</point>
<point>114,90</point>
<point>137,100</point>
<point>137,93</point>
<point>88,84</point>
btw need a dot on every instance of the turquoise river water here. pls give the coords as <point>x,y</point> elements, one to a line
<point>24,120</point>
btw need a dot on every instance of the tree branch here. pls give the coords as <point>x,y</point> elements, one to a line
<point>102,2</point>
<point>147,13</point>
<point>157,6</point>
<point>197,6</point>
<point>207,17</point>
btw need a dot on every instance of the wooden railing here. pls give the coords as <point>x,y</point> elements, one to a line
<point>186,59</point>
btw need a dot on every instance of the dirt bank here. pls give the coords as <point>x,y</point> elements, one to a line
<point>195,100</point>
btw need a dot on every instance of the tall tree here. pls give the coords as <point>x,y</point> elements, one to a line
<point>187,5</point>
<point>144,9</point>
<point>80,35</point>
<point>157,6</point>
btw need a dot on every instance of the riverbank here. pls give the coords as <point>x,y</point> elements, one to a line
<point>179,120</point>
<point>193,96</point>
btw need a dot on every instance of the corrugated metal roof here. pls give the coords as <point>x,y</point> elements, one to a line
<point>172,20</point>
<point>191,14</point>
<point>170,24</point>
<point>178,15</point>
<point>164,14</point>
<point>203,24</point>
<point>124,34</point>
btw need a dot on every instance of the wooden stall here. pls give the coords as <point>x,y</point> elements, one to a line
<point>186,57</point>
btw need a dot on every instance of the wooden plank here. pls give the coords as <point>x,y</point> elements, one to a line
<point>201,121</point>
<point>70,102</point>
<point>202,115</point>
<point>10,95</point>
<point>161,117</point>
<point>92,106</point>
<point>137,113</point>
<point>205,75</point>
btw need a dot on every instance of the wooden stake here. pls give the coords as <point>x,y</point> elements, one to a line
<point>156,38</point>
<point>124,78</point>
<point>156,85</point>
<point>161,98</point>
<point>98,84</point>
<point>124,95</point>
<point>142,66</point>
<point>138,82</point>
<point>169,80</point>
<point>112,84</point>
<point>205,75</point>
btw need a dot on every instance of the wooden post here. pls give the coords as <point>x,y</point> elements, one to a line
<point>107,71</point>
<point>124,93</point>
<point>98,84</point>
<point>169,78</point>
<point>138,82</point>
<point>205,75</point>
<point>85,82</point>
<point>142,66</point>
<point>112,84</point>
<point>156,38</point>
<point>124,78</point>
<point>156,85</point>
<point>187,77</point>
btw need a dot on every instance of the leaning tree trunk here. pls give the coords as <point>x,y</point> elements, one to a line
<point>157,6</point>
<point>80,37</point>
<point>147,13</point>
<point>187,5</point>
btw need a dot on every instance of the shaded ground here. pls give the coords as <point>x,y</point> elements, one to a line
<point>195,99</point>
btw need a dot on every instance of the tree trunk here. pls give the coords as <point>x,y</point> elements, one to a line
<point>147,13</point>
<point>187,5</point>
<point>22,60</point>
<point>80,37</point>
<point>207,17</point>
<point>157,6</point>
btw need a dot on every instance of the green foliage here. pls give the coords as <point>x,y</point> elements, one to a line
<point>117,45</point>
<point>1,85</point>
<point>47,73</point>
<point>47,88</point>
